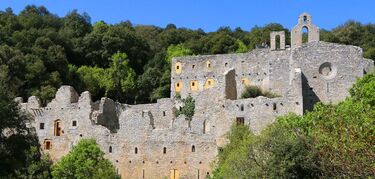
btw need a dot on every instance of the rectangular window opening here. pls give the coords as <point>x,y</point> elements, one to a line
<point>47,145</point>
<point>41,125</point>
<point>240,120</point>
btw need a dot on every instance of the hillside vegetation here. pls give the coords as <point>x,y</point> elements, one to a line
<point>40,51</point>
<point>332,141</point>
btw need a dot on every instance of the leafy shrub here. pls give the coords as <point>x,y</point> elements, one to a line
<point>255,91</point>
<point>86,160</point>
<point>188,108</point>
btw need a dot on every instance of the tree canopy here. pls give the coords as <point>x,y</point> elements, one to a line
<point>20,155</point>
<point>86,160</point>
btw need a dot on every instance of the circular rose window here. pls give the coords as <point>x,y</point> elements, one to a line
<point>327,70</point>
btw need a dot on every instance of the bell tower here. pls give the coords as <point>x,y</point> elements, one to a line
<point>304,21</point>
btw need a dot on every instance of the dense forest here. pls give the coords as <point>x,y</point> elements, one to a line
<point>40,51</point>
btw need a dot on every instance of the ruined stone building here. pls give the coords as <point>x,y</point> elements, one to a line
<point>148,141</point>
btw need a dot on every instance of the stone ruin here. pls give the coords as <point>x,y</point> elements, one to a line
<point>148,141</point>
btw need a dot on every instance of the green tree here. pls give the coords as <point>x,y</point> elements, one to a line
<point>363,90</point>
<point>123,77</point>
<point>241,47</point>
<point>177,51</point>
<point>20,155</point>
<point>278,151</point>
<point>86,160</point>
<point>188,109</point>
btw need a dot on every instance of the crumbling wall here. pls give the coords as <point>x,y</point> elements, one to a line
<point>328,71</point>
<point>107,115</point>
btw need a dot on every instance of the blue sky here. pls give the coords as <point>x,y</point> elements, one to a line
<point>210,14</point>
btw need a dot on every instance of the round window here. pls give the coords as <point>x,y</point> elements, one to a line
<point>327,70</point>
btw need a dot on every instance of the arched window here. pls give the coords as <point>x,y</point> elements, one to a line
<point>136,150</point>
<point>193,148</point>
<point>209,83</point>
<point>305,34</point>
<point>278,41</point>
<point>164,150</point>
<point>274,106</point>
<point>110,149</point>
<point>208,63</point>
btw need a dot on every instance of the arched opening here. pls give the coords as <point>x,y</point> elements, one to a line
<point>274,106</point>
<point>278,42</point>
<point>136,150</point>
<point>57,127</point>
<point>209,83</point>
<point>193,148</point>
<point>164,150</point>
<point>305,34</point>
<point>208,63</point>
<point>110,149</point>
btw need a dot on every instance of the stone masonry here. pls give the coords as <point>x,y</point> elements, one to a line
<point>148,141</point>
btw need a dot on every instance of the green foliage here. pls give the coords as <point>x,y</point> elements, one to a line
<point>332,141</point>
<point>123,77</point>
<point>278,152</point>
<point>115,81</point>
<point>241,47</point>
<point>255,91</point>
<point>363,90</point>
<point>188,108</point>
<point>177,51</point>
<point>19,148</point>
<point>38,165</point>
<point>84,161</point>
<point>96,80</point>
<point>350,155</point>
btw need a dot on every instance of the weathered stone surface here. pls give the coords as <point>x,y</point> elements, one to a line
<point>281,35</point>
<point>148,141</point>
